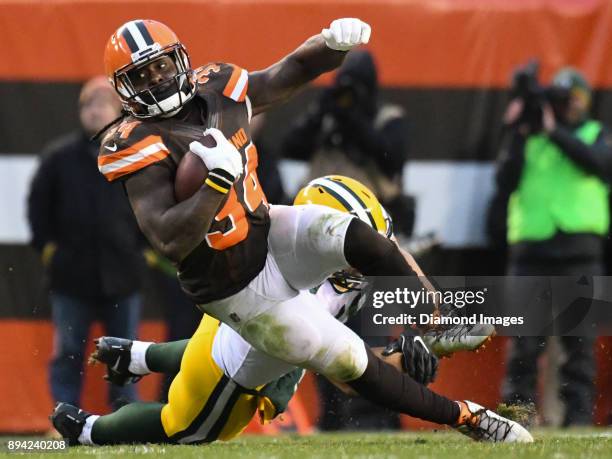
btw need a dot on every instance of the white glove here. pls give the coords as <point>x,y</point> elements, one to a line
<point>222,156</point>
<point>344,34</point>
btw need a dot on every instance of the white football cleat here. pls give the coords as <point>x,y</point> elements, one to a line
<point>444,342</point>
<point>481,424</point>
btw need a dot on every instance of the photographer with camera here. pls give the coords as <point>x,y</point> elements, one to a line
<point>349,132</point>
<point>554,173</point>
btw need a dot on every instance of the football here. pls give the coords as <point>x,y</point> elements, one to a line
<point>191,173</point>
<point>190,176</point>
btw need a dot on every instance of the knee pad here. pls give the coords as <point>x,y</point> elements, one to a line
<point>345,359</point>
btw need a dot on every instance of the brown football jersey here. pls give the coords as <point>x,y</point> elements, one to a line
<point>234,250</point>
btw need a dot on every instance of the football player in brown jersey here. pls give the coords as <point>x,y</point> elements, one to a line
<point>243,261</point>
<point>220,381</point>
<point>217,361</point>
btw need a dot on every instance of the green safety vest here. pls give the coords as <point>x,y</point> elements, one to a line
<point>555,194</point>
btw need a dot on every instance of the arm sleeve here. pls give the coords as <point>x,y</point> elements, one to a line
<point>41,204</point>
<point>595,159</point>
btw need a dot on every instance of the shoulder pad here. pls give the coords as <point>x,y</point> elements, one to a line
<point>229,79</point>
<point>130,147</point>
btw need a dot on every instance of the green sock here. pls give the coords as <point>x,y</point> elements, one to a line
<point>166,357</point>
<point>138,422</point>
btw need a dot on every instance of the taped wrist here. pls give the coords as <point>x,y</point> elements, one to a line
<point>220,180</point>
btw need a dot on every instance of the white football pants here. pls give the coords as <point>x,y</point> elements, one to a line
<point>306,245</point>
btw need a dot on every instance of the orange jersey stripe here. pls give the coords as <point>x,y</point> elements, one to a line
<point>143,153</point>
<point>140,145</point>
<point>243,93</point>
<point>153,158</point>
<point>231,84</point>
<point>236,81</point>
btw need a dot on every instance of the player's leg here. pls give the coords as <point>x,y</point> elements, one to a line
<point>203,405</point>
<point>165,357</point>
<point>128,361</point>
<point>300,333</point>
<point>138,422</point>
<point>303,334</point>
<point>332,349</point>
<point>306,245</point>
<point>311,242</point>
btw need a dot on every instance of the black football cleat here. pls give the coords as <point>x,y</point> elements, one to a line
<point>116,354</point>
<point>69,421</point>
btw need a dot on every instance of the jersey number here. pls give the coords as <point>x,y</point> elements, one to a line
<point>203,73</point>
<point>235,210</point>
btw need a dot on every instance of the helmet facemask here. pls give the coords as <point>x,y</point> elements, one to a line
<point>346,281</point>
<point>162,99</point>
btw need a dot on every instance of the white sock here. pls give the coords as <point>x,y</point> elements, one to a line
<point>85,437</point>
<point>138,361</point>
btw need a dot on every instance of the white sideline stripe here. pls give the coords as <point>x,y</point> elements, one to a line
<point>452,199</point>
<point>133,158</point>
<point>452,196</point>
<point>240,84</point>
<point>16,173</point>
<point>348,197</point>
<point>214,415</point>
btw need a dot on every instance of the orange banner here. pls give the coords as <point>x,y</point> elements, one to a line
<point>435,43</point>
<point>28,347</point>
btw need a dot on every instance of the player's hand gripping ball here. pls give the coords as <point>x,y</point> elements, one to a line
<point>346,33</point>
<point>223,155</point>
<point>213,151</point>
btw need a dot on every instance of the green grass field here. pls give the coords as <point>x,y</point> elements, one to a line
<point>583,444</point>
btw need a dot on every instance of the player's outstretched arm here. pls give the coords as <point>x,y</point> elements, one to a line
<point>317,55</point>
<point>173,229</point>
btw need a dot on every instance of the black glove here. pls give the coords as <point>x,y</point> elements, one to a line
<point>417,360</point>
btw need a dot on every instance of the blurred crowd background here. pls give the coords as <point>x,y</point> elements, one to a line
<point>443,117</point>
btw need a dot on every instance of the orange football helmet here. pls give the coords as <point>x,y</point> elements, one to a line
<point>134,46</point>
